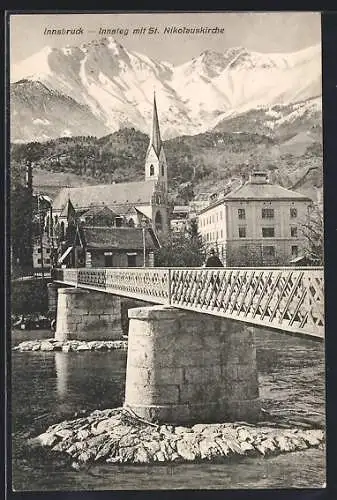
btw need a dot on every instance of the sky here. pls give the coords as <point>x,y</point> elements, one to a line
<point>260,32</point>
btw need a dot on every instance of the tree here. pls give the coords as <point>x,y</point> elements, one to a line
<point>184,249</point>
<point>21,224</point>
<point>313,232</point>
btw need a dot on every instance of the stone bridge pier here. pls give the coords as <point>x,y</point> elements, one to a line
<point>185,367</point>
<point>87,315</point>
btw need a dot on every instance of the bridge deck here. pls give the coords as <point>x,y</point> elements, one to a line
<point>289,299</point>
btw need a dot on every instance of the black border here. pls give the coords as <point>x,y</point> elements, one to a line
<point>329,62</point>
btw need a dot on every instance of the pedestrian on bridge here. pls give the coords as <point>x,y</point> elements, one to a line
<point>213,260</point>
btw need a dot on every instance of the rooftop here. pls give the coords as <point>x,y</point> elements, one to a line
<point>123,238</point>
<point>128,193</point>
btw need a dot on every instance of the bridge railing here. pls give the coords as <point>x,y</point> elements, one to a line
<point>288,298</point>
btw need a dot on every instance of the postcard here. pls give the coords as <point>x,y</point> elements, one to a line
<point>167,284</point>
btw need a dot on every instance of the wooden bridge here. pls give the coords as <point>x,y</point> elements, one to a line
<point>287,299</point>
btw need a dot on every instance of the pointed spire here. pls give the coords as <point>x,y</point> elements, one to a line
<point>155,138</point>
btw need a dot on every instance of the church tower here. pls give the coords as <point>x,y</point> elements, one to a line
<point>155,162</point>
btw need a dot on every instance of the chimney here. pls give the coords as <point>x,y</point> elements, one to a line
<point>259,177</point>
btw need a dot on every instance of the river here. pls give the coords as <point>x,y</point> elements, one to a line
<point>48,387</point>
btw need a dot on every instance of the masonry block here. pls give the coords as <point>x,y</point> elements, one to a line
<point>186,367</point>
<point>84,315</point>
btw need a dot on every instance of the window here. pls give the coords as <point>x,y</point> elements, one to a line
<point>118,221</point>
<point>293,231</point>
<point>132,260</point>
<point>151,170</point>
<point>268,232</point>
<point>39,250</point>
<point>221,233</point>
<point>267,213</point>
<point>47,261</point>
<point>162,170</point>
<point>293,212</point>
<point>48,250</point>
<point>269,251</point>
<point>294,251</point>
<point>242,232</point>
<point>241,213</point>
<point>39,261</point>
<point>107,260</point>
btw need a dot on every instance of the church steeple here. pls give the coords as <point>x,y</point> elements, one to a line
<point>155,162</point>
<point>155,140</point>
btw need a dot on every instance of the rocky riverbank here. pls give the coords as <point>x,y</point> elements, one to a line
<point>119,436</point>
<point>70,345</point>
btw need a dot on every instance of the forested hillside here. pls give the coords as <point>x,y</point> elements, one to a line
<point>195,163</point>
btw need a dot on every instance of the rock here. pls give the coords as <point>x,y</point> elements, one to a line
<point>208,449</point>
<point>64,433</point>
<point>110,425</point>
<point>108,448</point>
<point>85,456</point>
<point>83,434</point>
<point>266,446</point>
<point>232,443</point>
<point>35,348</point>
<point>83,347</point>
<point>282,443</point>
<point>47,439</point>
<point>159,457</point>
<point>46,346</point>
<point>152,447</point>
<point>128,440</point>
<point>141,455</point>
<point>175,457</point>
<point>199,428</point>
<point>126,454</point>
<point>188,450</point>
<point>66,348</point>
<point>182,430</point>
<point>244,435</point>
<point>166,429</point>
<point>246,447</point>
<point>313,437</point>
<point>223,446</point>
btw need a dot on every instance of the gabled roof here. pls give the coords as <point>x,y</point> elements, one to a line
<point>122,238</point>
<point>102,211</point>
<point>265,191</point>
<point>128,193</point>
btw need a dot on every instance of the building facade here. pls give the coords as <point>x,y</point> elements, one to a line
<point>256,224</point>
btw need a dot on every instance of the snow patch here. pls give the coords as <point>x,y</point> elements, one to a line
<point>41,121</point>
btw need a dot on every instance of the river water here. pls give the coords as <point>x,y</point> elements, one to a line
<point>48,387</point>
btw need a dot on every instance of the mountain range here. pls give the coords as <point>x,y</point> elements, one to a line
<point>100,87</point>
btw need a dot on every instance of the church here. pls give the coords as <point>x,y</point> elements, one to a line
<point>132,203</point>
<point>114,225</point>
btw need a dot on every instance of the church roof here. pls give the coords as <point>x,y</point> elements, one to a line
<point>111,195</point>
<point>155,139</point>
<point>123,238</point>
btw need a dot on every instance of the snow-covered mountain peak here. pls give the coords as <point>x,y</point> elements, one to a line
<point>116,84</point>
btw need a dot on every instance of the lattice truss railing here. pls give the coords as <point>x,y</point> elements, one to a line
<point>287,299</point>
<point>290,299</point>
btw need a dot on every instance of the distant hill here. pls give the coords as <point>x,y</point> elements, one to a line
<point>202,162</point>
